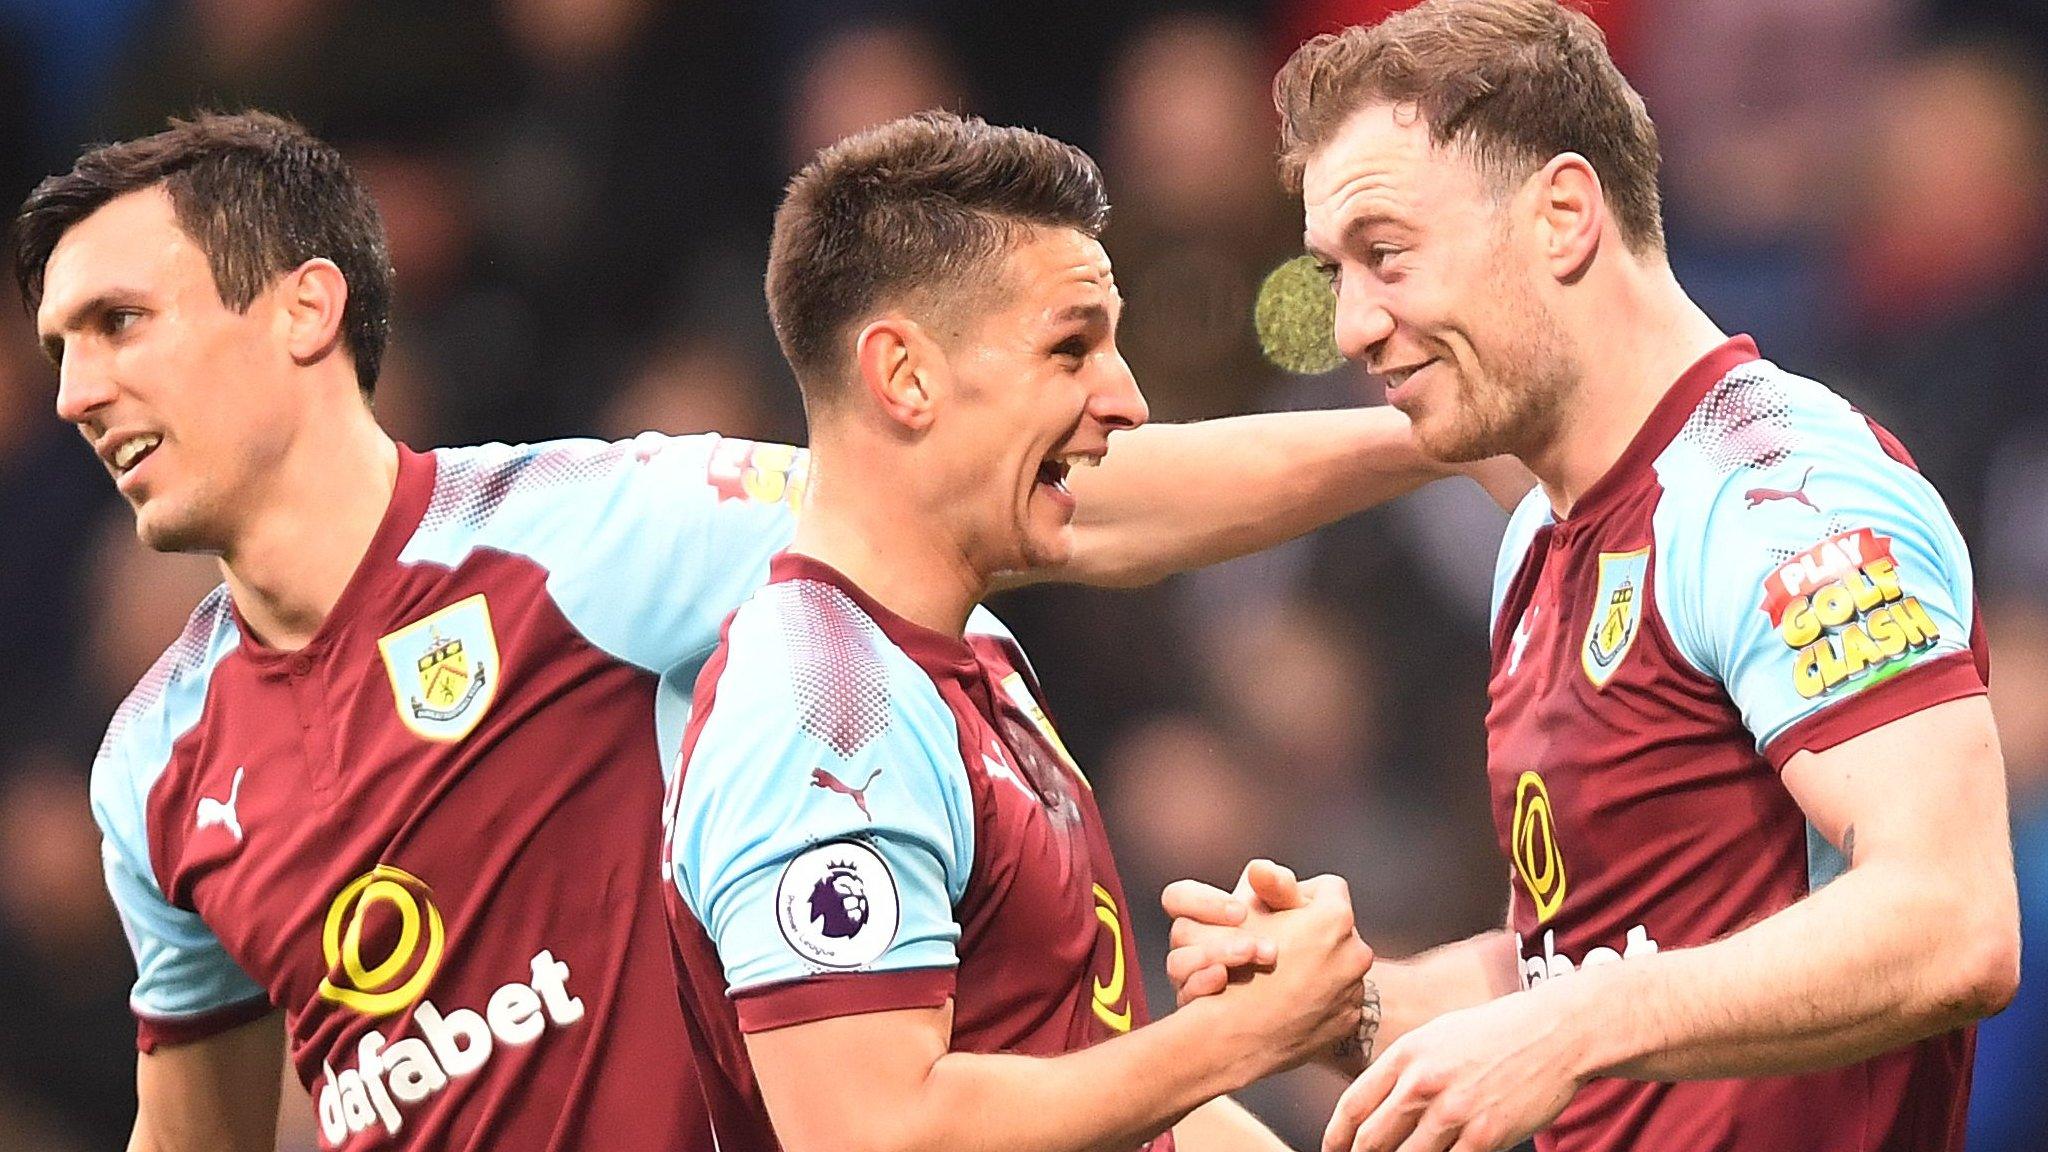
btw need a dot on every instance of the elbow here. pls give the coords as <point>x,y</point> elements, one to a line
<point>1984,974</point>
<point>1995,977</point>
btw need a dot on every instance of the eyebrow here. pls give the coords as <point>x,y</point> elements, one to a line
<point>1082,313</point>
<point>53,343</point>
<point>1352,227</point>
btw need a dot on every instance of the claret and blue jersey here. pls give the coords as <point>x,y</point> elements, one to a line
<point>1762,572</point>
<point>431,835</point>
<point>871,815</point>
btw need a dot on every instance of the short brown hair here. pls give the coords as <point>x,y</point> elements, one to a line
<point>925,205</point>
<point>257,193</point>
<point>1513,82</point>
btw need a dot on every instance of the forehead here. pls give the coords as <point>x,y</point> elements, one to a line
<point>1051,269</point>
<point>131,243</point>
<point>1382,162</point>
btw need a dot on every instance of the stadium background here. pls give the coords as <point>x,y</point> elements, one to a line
<point>578,194</point>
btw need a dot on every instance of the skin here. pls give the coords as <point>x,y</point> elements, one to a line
<point>271,460</point>
<point>932,483</point>
<point>1519,321</point>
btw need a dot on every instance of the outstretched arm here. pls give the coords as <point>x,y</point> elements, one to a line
<point>1170,497</point>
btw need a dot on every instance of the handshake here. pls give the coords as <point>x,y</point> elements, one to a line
<point>1283,961</point>
<point>1278,967</point>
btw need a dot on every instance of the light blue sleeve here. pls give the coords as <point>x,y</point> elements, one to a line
<point>181,969</point>
<point>1529,518</point>
<point>649,543</point>
<point>806,846</point>
<point>1796,605</point>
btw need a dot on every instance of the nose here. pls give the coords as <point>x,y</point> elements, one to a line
<point>1363,322</point>
<point>1117,403</point>
<point>83,388</point>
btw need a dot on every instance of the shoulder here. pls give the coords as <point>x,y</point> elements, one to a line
<point>165,704</point>
<point>1772,467</point>
<point>503,486</point>
<point>1778,447</point>
<point>1529,517</point>
<point>804,662</point>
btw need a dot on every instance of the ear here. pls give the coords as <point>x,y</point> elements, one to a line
<point>313,295</point>
<point>1571,211</point>
<point>893,358</point>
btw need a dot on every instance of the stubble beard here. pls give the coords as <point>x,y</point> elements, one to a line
<point>1516,408</point>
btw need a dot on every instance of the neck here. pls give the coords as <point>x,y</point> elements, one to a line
<point>294,553</point>
<point>905,562</point>
<point>1640,336</point>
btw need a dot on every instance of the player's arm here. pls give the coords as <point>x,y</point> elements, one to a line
<point>1170,497</point>
<point>1919,936</point>
<point>1217,932</point>
<point>1916,935</point>
<point>217,1094</point>
<point>887,1082</point>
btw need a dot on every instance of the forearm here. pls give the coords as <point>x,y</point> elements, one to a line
<point>910,1093</point>
<point>1879,958</point>
<point>1224,1125</point>
<point>1170,497</point>
<point>1417,990</point>
<point>1115,1095</point>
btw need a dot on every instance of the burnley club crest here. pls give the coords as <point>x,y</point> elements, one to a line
<point>444,669</point>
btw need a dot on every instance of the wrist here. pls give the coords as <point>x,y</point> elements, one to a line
<point>1595,1031</point>
<point>1354,1053</point>
<point>1233,1053</point>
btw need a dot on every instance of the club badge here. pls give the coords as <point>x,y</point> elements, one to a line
<point>1617,614</point>
<point>444,670</point>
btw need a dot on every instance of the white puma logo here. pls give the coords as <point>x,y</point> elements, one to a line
<point>1523,631</point>
<point>222,812</point>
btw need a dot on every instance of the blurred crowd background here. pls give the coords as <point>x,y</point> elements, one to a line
<point>578,194</point>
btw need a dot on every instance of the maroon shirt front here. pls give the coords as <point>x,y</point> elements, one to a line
<point>430,836</point>
<point>1652,674</point>
<point>839,751</point>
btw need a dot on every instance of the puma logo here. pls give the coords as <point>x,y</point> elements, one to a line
<point>823,779</point>
<point>1523,631</point>
<point>222,812</point>
<point>1757,496</point>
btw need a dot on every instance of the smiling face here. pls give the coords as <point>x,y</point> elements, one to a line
<point>183,399</point>
<point>1033,385</point>
<point>1438,288</point>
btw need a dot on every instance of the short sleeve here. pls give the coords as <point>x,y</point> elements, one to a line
<point>649,543</point>
<point>823,847</point>
<point>1828,613</point>
<point>186,985</point>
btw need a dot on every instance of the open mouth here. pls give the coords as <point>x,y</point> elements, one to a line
<point>134,451</point>
<point>1054,470</point>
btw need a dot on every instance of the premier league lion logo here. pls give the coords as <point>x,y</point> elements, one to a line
<point>839,902</point>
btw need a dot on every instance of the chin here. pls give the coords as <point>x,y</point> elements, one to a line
<point>161,529</point>
<point>1048,550</point>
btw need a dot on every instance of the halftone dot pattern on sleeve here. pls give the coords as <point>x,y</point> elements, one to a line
<point>840,684</point>
<point>472,483</point>
<point>1745,421</point>
<point>184,655</point>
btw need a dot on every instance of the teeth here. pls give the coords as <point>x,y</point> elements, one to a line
<point>1080,460</point>
<point>128,453</point>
